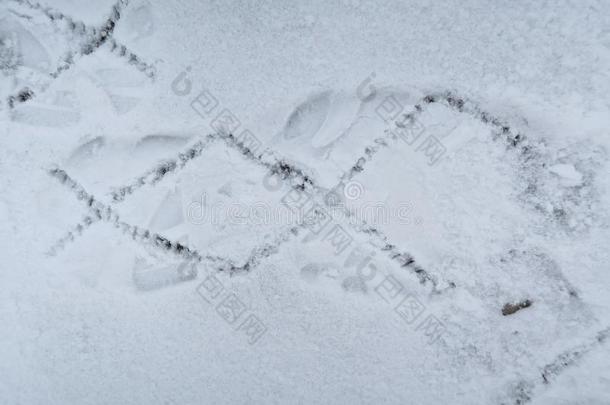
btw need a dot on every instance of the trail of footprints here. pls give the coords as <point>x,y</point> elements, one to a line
<point>531,153</point>
<point>277,166</point>
<point>298,178</point>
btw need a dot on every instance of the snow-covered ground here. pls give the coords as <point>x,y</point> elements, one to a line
<point>304,202</point>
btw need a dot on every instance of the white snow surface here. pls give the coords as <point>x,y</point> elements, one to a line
<point>95,310</point>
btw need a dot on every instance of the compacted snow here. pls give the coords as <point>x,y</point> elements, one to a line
<point>316,202</point>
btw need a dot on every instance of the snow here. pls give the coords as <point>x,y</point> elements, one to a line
<point>154,253</point>
<point>569,175</point>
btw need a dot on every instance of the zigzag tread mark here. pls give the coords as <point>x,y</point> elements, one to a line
<point>93,38</point>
